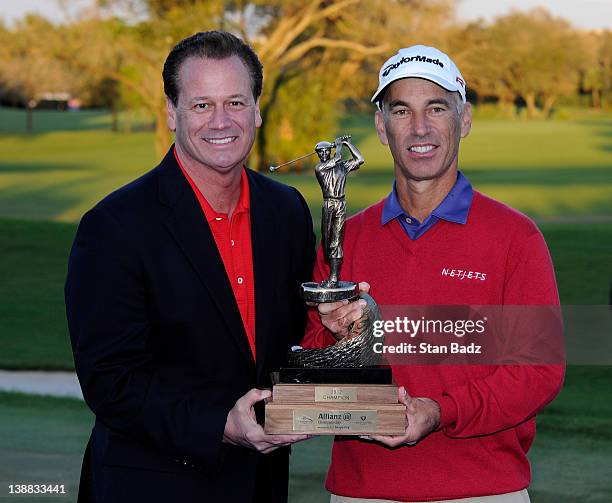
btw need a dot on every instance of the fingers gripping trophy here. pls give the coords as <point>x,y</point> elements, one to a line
<point>331,174</point>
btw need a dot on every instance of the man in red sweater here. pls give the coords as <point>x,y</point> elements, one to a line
<point>436,241</point>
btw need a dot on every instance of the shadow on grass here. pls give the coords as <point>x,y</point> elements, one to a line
<point>26,168</point>
<point>537,192</point>
<point>534,175</point>
<point>13,121</point>
<point>603,127</point>
<point>574,176</point>
<point>35,201</point>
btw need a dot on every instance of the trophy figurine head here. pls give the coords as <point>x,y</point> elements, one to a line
<point>323,150</point>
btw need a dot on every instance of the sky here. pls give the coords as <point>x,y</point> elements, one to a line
<point>10,10</point>
<point>582,13</point>
<point>587,14</point>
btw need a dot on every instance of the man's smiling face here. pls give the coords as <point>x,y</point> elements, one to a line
<point>422,123</point>
<point>216,114</point>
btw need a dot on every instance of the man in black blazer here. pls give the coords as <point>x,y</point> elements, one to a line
<point>171,364</point>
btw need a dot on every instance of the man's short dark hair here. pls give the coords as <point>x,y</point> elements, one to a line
<point>214,45</point>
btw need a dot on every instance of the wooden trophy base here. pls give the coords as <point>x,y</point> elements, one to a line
<point>335,409</point>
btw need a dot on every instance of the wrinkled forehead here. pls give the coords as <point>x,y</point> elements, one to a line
<point>417,89</point>
<point>203,75</point>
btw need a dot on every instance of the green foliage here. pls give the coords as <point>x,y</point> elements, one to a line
<point>597,73</point>
<point>300,118</point>
<point>29,67</point>
<point>326,45</point>
<point>513,59</point>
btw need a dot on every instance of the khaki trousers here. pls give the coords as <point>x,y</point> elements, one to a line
<point>515,497</point>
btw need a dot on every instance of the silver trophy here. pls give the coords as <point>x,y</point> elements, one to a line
<point>355,350</point>
<point>339,389</point>
<point>331,174</point>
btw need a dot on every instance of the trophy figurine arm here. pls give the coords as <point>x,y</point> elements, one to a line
<point>357,156</point>
<point>338,153</point>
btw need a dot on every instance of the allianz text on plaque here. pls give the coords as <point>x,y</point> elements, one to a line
<point>338,421</point>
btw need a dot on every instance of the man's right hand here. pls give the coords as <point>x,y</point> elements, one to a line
<point>241,427</point>
<point>338,317</point>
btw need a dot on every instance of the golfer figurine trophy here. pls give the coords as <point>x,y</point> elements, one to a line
<point>340,389</point>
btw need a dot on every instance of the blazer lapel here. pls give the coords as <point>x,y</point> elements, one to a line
<point>184,219</point>
<point>263,228</point>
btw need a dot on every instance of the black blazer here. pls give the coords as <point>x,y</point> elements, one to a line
<point>159,345</point>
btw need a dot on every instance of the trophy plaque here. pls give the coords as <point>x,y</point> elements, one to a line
<point>340,389</point>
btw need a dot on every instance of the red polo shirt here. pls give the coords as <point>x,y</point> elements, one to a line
<point>233,239</point>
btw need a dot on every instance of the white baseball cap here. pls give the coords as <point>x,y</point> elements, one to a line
<point>422,62</point>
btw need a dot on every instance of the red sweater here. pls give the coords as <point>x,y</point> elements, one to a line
<point>487,412</point>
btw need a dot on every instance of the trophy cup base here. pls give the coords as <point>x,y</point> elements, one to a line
<point>335,418</point>
<point>315,292</point>
<point>334,401</point>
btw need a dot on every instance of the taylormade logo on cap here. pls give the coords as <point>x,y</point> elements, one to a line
<point>425,59</point>
<point>420,61</point>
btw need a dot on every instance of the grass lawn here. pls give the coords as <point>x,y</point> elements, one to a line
<point>573,447</point>
<point>43,439</point>
<point>59,175</point>
<point>546,169</point>
<point>33,332</point>
<point>13,120</point>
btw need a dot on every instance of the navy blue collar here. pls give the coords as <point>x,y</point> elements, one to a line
<point>455,208</point>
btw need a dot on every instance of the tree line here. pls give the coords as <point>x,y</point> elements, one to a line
<point>319,57</point>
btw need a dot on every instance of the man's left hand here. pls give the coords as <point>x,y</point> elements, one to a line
<point>422,417</point>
